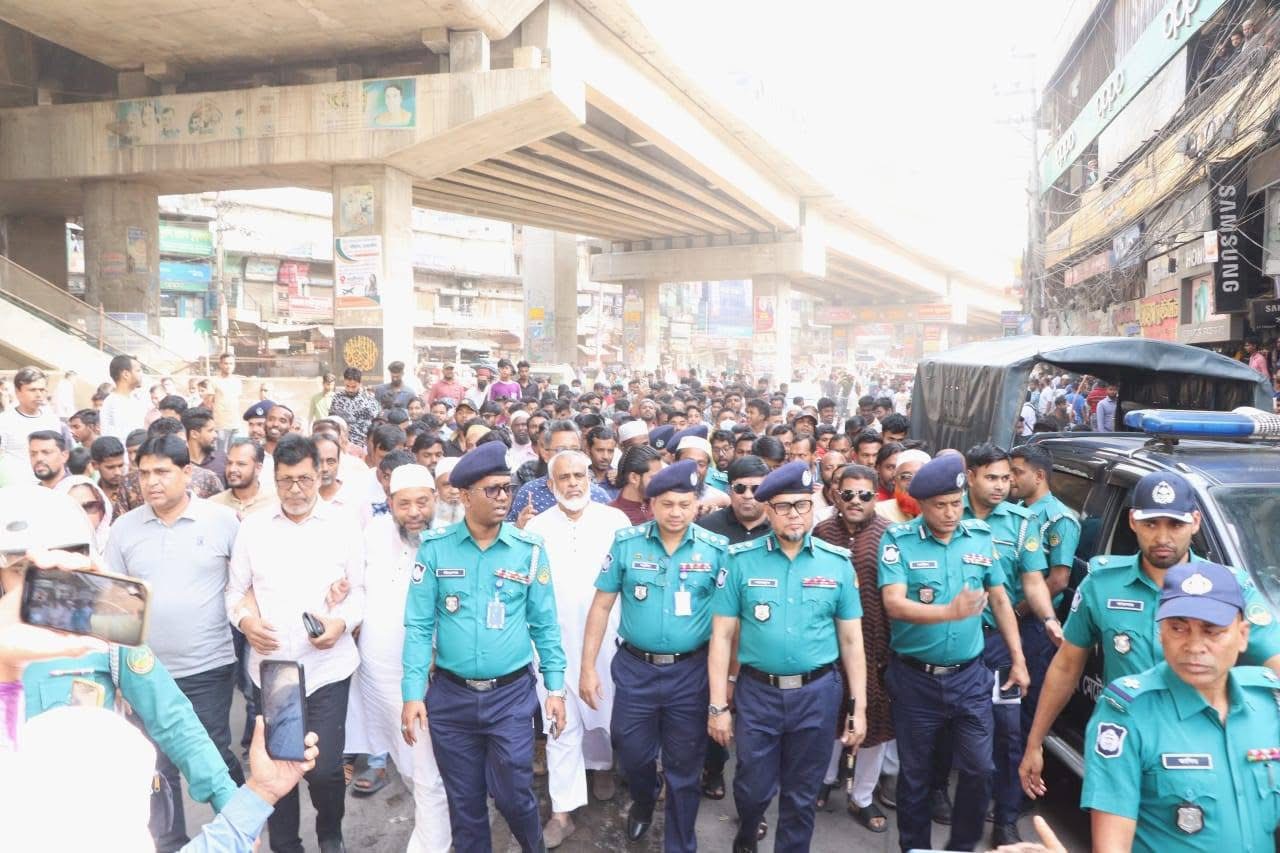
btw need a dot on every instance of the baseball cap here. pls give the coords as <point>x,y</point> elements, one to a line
<point>1163,494</point>
<point>1205,591</point>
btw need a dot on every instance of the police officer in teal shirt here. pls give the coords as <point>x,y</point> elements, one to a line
<point>1186,755</point>
<point>937,574</point>
<point>481,590</point>
<point>794,598</point>
<point>1114,608</point>
<point>665,571</point>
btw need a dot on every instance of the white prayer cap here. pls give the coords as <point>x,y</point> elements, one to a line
<point>445,465</point>
<point>693,442</point>
<point>632,429</point>
<point>411,477</point>
<point>913,455</point>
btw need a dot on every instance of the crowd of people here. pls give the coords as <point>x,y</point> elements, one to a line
<point>662,576</point>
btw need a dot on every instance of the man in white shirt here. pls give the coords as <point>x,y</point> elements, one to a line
<point>64,396</point>
<point>373,717</point>
<point>123,411</point>
<point>28,415</point>
<point>289,557</point>
<point>578,533</point>
<point>228,389</point>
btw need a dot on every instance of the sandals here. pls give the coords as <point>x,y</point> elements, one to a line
<point>868,815</point>
<point>712,785</point>
<point>824,794</point>
<point>369,781</point>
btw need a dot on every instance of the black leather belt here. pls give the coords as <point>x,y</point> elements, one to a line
<point>785,682</point>
<point>484,685</point>
<point>935,669</point>
<point>659,659</point>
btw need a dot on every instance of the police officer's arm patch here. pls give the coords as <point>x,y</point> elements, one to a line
<point>140,660</point>
<point>1110,743</point>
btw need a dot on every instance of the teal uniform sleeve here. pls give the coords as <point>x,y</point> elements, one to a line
<point>544,627</point>
<point>892,569</point>
<point>726,600</point>
<point>849,604</point>
<point>235,829</point>
<point>1032,556</point>
<point>172,723</point>
<point>993,575</point>
<point>1264,632</point>
<point>419,625</point>
<point>1112,763</point>
<point>1060,539</point>
<point>1082,628</point>
<point>610,577</point>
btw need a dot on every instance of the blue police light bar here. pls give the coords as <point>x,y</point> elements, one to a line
<point>1196,424</point>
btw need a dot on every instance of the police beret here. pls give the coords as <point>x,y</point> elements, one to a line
<point>697,430</point>
<point>259,409</point>
<point>487,459</point>
<point>661,437</point>
<point>938,476</point>
<point>792,478</point>
<point>680,477</point>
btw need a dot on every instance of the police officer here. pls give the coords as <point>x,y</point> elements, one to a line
<point>1114,608</point>
<point>481,589</point>
<point>665,572</point>
<point>937,574</point>
<point>1185,755</point>
<point>36,518</point>
<point>796,600</point>
<point>691,443</point>
<point>660,440</point>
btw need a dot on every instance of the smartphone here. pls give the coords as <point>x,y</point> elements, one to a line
<point>314,626</point>
<point>1000,696</point>
<point>284,708</point>
<point>95,604</point>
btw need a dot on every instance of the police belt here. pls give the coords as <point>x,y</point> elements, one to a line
<point>484,685</point>
<point>935,669</point>
<point>659,659</point>
<point>785,682</point>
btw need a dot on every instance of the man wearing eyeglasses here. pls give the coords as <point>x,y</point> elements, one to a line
<point>793,602</point>
<point>289,557</point>
<point>481,590</point>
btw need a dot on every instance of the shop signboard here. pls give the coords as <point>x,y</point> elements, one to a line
<point>1231,268</point>
<point>1158,315</point>
<point>1271,234</point>
<point>1126,252</point>
<point>188,276</point>
<point>261,269</point>
<point>194,239</point>
<point>311,307</point>
<point>1226,327</point>
<point>1264,313</point>
<point>1091,266</point>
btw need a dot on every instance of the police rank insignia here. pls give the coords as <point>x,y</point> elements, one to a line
<point>608,561</point>
<point>761,612</point>
<point>419,571</point>
<point>140,660</point>
<point>1033,545</point>
<point>1258,614</point>
<point>721,577</point>
<point>451,603</point>
<point>978,559</point>
<point>1054,540</point>
<point>641,592</point>
<point>926,595</point>
<point>891,555</point>
<point>1190,817</point>
<point>1110,743</point>
<point>1123,643</point>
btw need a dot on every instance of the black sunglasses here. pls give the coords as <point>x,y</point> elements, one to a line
<point>847,495</point>
<point>743,488</point>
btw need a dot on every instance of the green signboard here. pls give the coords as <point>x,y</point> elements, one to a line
<point>1172,28</point>
<point>193,239</point>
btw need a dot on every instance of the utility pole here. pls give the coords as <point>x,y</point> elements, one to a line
<point>1033,256</point>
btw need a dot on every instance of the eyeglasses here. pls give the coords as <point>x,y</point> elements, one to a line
<point>93,506</point>
<point>787,507</point>
<point>492,492</point>
<point>743,488</point>
<point>288,483</point>
<point>905,476</point>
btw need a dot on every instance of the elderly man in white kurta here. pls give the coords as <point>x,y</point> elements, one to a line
<point>578,534</point>
<point>373,712</point>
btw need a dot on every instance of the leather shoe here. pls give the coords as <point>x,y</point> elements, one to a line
<point>638,822</point>
<point>332,845</point>
<point>940,807</point>
<point>744,843</point>
<point>1005,833</point>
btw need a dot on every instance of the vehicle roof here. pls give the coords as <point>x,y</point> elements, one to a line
<point>1217,462</point>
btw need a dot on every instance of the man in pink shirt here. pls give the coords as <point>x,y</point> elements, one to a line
<point>1257,358</point>
<point>448,387</point>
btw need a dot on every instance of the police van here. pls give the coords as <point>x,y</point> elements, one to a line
<point>1232,460</point>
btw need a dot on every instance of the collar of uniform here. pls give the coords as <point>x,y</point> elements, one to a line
<point>654,533</point>
<point>189,512</point>
<point>1188,702</point>
<point>927,533</point>
<point>1137,575</point>
<point>1001,508</point>
<point>774,542</point>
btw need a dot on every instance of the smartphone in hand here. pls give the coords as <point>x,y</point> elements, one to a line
<point>1000,696</point>
<point>284,708</point>
<point>315,628</point>
<point>110,607</point>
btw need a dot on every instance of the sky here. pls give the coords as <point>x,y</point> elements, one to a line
<point>899,109</point>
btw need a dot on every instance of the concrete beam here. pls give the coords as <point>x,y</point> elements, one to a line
<point>134,84</point>
<point>887,259</point>
<point>164,72</point>
<point>710,263</point>
<point>436,39</point>
<point>468,51</point>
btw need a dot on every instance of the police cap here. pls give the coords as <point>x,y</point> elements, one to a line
<point>792,478</point>
<point>1205,591</point>
<point>1164,494</point>
<point>258,409</point>
<point>680,477</point>
<point>487,459</point>
<point>661,437</point>
<point>939,476</point>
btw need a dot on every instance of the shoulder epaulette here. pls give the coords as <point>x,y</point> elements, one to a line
<point>704,535</point>
<point>976,525</point>
<point>628,532</point>
<point>1019,510</point>
<point>1123,692</point>
<point>823,545</point>
<point>1255,676</point>
<point>434,533</point>
<point>527,536</point>
<point>750,544</point>
<point>1105,562</point>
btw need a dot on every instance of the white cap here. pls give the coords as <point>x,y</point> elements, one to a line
<point>695,442</point>
<point>728,424</point>
<point>411,477</point>
<point>913,455</point>
<point>445,465</point>
<point>632,429</point>
<point>519,415</point>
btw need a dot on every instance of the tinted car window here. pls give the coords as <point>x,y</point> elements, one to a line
<point>1252,515</point>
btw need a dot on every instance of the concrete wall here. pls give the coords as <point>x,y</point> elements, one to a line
<point>38,243</point>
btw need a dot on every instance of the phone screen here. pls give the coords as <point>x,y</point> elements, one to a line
<point>284,709</point>
<point>109,607</point>
<point>999,695</point>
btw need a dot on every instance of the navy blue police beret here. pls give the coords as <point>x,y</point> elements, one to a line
<point>698,430</point>
<point>259,409</point>
<point>487,459</point>
<point>939,476</point>
<point>680,477</point>
<point>661,437</point>
<point>792,478</point>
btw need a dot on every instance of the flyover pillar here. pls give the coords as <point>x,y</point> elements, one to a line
<point>549,269</point>
<point>122,248</point>
<point>375,308</point>
<point>38,243</point>
<point>650,325</point>
<point>771,298</point>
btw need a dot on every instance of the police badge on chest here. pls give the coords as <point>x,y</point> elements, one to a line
<point>641,592</point>
<point>1123,643</point>
<point>762,612</point>
<point>1190,818</point>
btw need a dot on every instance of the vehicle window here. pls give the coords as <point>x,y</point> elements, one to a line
<point>1085,499</point>
<point>1125,542</point>
<point>1252,515</point>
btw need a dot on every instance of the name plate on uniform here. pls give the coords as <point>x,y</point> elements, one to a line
<point>644,566</point>
<point>923,564</point>
<point>770,582</point>
<point>1186,760</point>
<point>1126,604</point>
<point>823,583</point>
<point>451,573</point>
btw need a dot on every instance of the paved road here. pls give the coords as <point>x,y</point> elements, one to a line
<point>383,823</point>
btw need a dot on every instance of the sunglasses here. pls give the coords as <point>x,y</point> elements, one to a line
<point>847,495</point>
<point>743,488</point>
<point>787,507</point>
<point>492,492</point>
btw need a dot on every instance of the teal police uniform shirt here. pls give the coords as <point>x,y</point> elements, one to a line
<point>717,479</point>
<point>1115,608</point>
<point>934,574</point>
<point>639,570</point>
<point>1059,530</point>
<point>1157,753</point>
<point>452,591</point>
<point>146,685</point>
<point>787,607</point>
<point>1018,548</point>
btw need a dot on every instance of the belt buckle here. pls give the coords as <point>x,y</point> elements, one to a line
<point>662,660</point>
<point>483,685</point>
<point>789,682</point>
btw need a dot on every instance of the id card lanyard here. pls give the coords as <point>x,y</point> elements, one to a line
<point>496,613</point>
<point>684,599</point>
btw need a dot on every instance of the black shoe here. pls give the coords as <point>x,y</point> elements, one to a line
<point>940,807</point>
<point>744,844</point>
<point>332,845</point>
<point>1005,833</point>
<point>638,822</point>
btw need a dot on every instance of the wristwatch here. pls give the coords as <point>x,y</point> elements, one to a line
<point>717,710</point>
<point>733,679</point>
<point>558,694</point>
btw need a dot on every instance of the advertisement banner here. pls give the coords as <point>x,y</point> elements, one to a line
<point>1087,269</point>
<point>1230,289</point>
<point>766,309</point>
<point>194,239</point>
<point>261,269</point>
<point>1264,313</point>
<point>357,263</point>
<point>189,276</point>
<point>311,308</point>
<point>295,274</point>
<point>1158,315</point>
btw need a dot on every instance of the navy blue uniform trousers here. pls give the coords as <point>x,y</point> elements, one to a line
<point>924,708</point>
<point>483,743</point>
<point>784,746</point>
<point>1039,652</point>
<point>662,710</point>
<point>1007,741</point>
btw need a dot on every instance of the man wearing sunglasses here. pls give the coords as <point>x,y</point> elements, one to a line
<point>744,518</point>
<point>794,602</point>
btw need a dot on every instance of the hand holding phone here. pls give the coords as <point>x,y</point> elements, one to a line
<point>110,607</point>
<point>315,628</point>
<point>1000,696</point>
<point>284,708</point>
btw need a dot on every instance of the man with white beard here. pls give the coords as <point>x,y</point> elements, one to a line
<point>578,533</point>
<point>373,713</point>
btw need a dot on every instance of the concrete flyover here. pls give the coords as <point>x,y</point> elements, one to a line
<point>564,116</point>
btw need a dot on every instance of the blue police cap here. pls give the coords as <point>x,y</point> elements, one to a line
<point>259,409</point>
<point>661,437</point>
<point>699,430</point>
<point>938,476</point>
<point>1163,494</point>
<point>1205,591</point>
<point>487,459</point>
<point>680,477</point>
<point>792,478</point>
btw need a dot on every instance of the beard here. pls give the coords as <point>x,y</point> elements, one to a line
<point>790,537</point>
<point>910,506</point>
<point>577,504</point>
<point>521,440</point>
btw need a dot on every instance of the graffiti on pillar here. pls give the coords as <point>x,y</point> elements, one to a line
<point>356,208</point>
<point>136,247</point>
<point>357,263</point>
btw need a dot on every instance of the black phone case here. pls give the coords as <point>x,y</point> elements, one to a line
<point>302,690</point>
<point>313,625</point>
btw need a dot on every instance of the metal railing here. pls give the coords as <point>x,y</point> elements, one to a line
<point>87,322</point>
